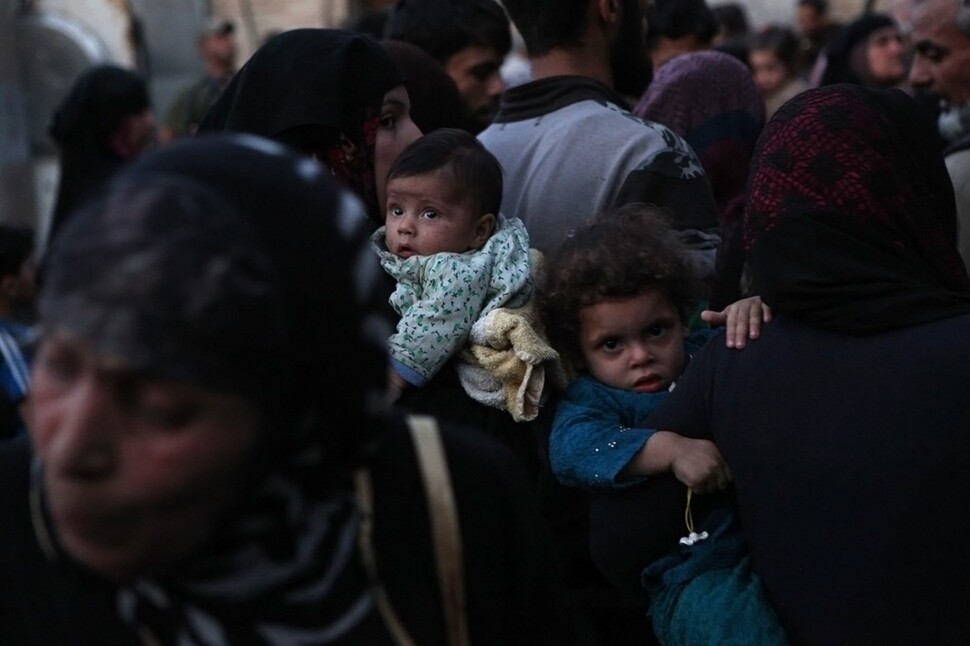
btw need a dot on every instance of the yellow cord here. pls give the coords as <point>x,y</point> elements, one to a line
<point>689,517</point>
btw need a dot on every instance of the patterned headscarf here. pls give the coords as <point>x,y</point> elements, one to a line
<point>710,99</point>
<point>235,264</point>
<point>319,91</point>
<point>851,220</point>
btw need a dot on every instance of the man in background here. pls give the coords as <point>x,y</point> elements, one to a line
<point>568,143</point>
<point>17,338</point>
<point>217,49</point>
<point>470,38</point>
<point>941,65</point>
<point>816,29</point>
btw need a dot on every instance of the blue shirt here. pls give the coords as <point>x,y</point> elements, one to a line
<point>598,429</point>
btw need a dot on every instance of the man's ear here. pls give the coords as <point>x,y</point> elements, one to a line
<point>609,11</point>
<point>483,229</point>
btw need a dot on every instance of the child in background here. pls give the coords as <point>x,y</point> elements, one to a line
<point>17,338</point>
<point>454,257</point>
<point>773,56</point>
<point>615,306</point>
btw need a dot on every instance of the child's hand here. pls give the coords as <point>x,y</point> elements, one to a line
<point>742,320</point>
<point>700,466</point>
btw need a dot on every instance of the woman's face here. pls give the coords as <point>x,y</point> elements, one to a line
<point>394,132</point>
<point>769,72</point>
<point>886,56</point>
<point>137,471</point>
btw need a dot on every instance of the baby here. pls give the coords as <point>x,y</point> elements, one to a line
<point>453,256</point>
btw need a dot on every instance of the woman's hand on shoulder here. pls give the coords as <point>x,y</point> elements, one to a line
<point>742,320</point>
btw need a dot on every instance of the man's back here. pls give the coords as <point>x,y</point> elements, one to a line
<point>570,148</point>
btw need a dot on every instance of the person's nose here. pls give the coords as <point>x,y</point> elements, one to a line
<point>640,354</point>
<point>84,442</point>
<point>405,225</point>
<point>919,73</point>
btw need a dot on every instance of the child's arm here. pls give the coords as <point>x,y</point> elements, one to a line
<point>436,317</point>
<point>696,463</point>
<point>591,440</point>
<point>742,320</point>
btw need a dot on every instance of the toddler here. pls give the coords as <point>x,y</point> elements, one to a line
<point>615,306</point>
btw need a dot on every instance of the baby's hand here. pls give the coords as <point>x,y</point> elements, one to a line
<point>742,320</point>
<point>700,466</point>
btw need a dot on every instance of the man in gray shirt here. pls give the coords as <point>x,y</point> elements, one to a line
<point>567,141</point>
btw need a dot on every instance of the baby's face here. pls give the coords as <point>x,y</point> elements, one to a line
<point>634,343</point>
<point>424,216</point>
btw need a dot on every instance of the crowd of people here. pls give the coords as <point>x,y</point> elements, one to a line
<point>665,343</point>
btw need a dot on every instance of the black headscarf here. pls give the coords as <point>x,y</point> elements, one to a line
<point>843,61</point>
<point>231,262</point>
<point>435,101</point>
<point>82,124</point>
<point>851,219</point>
<point>318,90</point>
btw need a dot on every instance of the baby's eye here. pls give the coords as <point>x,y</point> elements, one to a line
<point>388,121</point>
<point>430,214</point>
<point>611,345</point>
<point>396,211</point>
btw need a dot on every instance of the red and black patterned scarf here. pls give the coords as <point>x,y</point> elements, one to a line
<point>851,220</point>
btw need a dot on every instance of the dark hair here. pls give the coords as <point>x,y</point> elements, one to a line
<point>818,6</point>
<point>16,246</point>
<point>732,18</point>
<point>780,41</point>
<point>444,27</point>
<point>621,253</point>
<point>373,23</point>
<point>681,18</point>
<point>548,24</point>
<point>475,171</point>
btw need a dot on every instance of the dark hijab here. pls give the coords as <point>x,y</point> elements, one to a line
<point>710,99</point>
<point>845,57</point>
<point>232,263</point>
<point>851,220</point>
<point>319,91</point>
<point>435,102</point>
<point>82,125</point>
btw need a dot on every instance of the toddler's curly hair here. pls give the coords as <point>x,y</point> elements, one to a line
<point>622,252</point>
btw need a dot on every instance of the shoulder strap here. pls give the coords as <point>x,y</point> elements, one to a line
<point>445,529</point>
<point>365,542</point>
<point>445,532</point>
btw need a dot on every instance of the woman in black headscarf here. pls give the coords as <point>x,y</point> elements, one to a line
<point>104,122</point>
<point>845,425</point>
<point>435,101</point>
<point>210,380</point>
<point>868,51</point>
<point>333,94</point>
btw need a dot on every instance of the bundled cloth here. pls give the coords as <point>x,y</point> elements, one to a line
<point>508,358</point>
